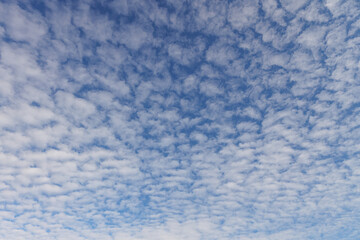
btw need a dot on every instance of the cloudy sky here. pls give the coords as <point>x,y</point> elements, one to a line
<point>172,120</point>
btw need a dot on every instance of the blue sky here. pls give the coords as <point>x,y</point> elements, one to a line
<point>197,120</point>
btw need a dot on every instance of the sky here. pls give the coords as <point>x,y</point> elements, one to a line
<point>172,120</point>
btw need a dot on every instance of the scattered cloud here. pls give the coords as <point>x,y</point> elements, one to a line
<point>142,120</point>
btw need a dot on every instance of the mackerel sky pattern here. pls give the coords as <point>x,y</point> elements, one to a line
<point>172,120</point>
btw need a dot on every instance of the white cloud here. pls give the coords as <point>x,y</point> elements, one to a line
<point>210,89</point>
<point>190,83</point>
<point>210,16</point>
<point>314,12</point>
<point>312,37</point>
<point>22,25</point>
<point>293,6</point>
<point>221,55</point>
<point>133,37</point>
<point>75,108</point>
<point>271,9</point>
<point>21,61</point>
<point>204,120</point>
<point>242,14</point>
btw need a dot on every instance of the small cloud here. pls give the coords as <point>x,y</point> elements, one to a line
<point>293,6</point>
<point>22,25</point>
<point>242,14</point>
<point>210,89</point>
<point>133,36</point>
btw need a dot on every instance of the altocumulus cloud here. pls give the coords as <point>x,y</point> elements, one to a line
<point>199,120</point>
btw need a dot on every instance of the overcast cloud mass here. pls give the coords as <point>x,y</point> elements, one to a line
<point>173,120</point>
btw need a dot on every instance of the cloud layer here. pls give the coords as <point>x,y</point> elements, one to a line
<point>144,120</point>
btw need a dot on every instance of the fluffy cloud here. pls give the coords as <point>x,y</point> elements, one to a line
<point>141,120</point>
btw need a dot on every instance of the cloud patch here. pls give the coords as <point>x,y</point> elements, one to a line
<point>144,120</point>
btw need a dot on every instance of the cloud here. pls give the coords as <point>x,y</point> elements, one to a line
<point>242,14</point>
<point>185,55</point>
<point>293,6</point>
<point>221,55</point>
<point>23,25</point>
<point>141,120</point>
<point>312,37</point>
<point>209,89</point>
<point>133,37</point>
